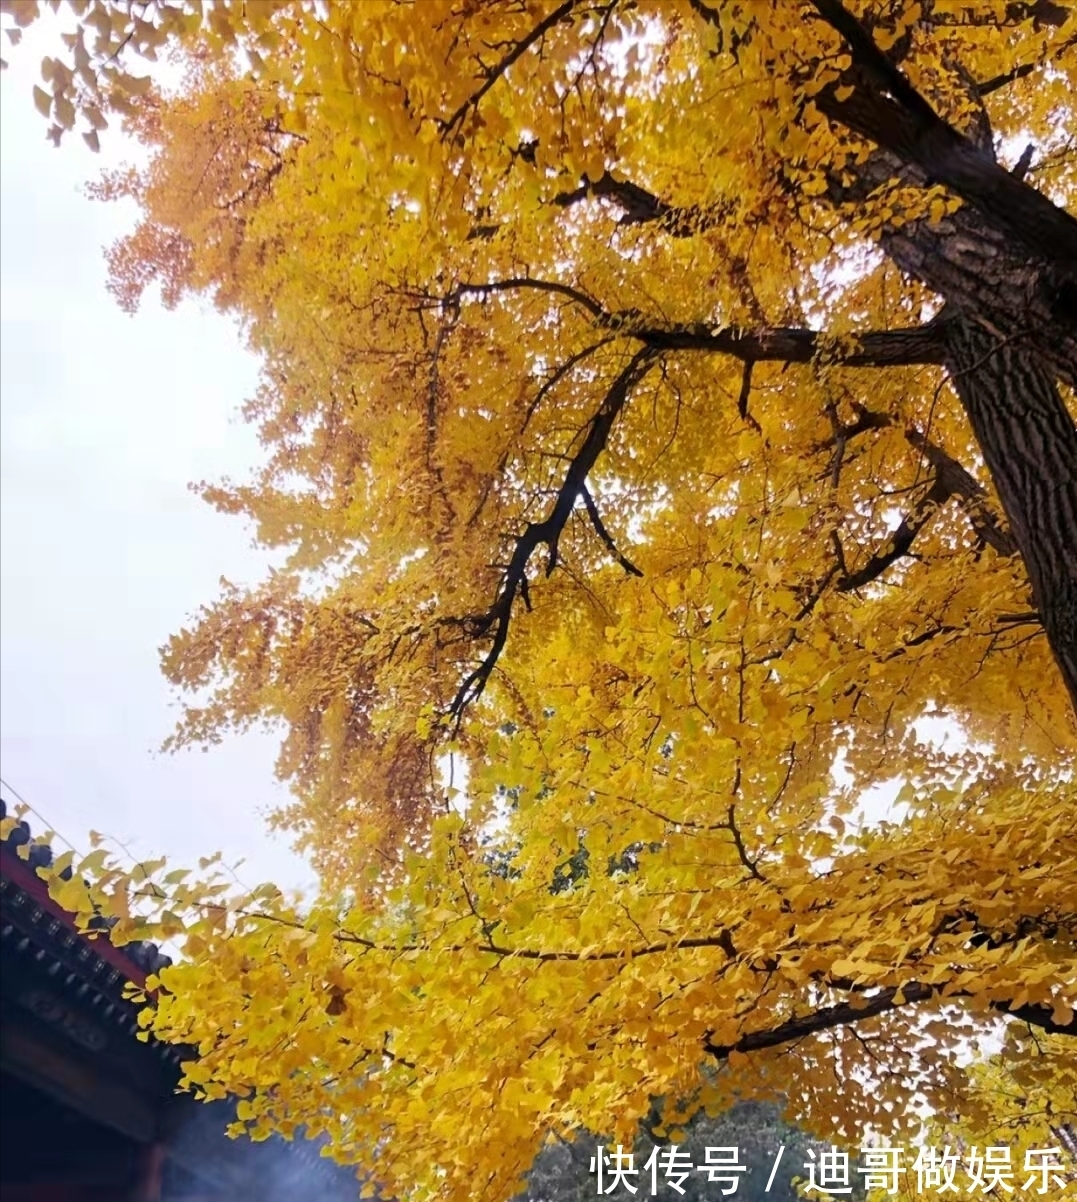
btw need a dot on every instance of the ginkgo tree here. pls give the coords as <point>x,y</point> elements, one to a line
<point>668,410</point>
<point>1015,1128</point>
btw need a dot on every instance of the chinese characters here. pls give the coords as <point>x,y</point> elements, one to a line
<point>931,1171</point>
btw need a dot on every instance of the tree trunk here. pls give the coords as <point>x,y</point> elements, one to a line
<point>1010,328</point>
<point>1029,443</point>
<point>982,273</point>
<point>1005,262</point>
<point>1010,335</point>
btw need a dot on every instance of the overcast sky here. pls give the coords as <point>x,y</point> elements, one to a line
<point>103,551</point>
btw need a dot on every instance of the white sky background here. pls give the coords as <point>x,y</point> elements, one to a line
<point>104,419</point>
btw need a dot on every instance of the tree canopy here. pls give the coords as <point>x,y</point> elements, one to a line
<point>668,416</point>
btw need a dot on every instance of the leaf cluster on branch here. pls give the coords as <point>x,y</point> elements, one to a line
<point>668,419</point>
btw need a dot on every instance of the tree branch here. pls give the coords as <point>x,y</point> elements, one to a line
<point>904,346</point>
<point>956,480</point>
<point>888,110</point>
<point>604,534</point>
<point>847,1013</point>
<point>639,206</point>
<point>520,284</point>
<point>901,347</point>
<point>1008,77</point>
<point>495,622</point>
<point>900,541</point>
<point>498,70</point>
<point>951,480</point>
<point>960,483</point>
<point>917,345</point>
<point>913,346</point>
<point>798,1027</point>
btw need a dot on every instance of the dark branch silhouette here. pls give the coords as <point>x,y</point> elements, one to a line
<point>494,624</point>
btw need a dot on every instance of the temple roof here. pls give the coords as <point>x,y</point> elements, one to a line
<point>141,957</point>
<point>69,986</point>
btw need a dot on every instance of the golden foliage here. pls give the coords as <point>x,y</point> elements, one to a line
<point>613,587</point>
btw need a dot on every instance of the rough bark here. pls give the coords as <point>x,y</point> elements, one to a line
<point>885,107</point>
<point>980,271</point>
<point>1006,265</point>
<point>1029,443</point>
<point>1011,334</point>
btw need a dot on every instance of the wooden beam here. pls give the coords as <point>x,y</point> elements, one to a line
<point>75,1085</point>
